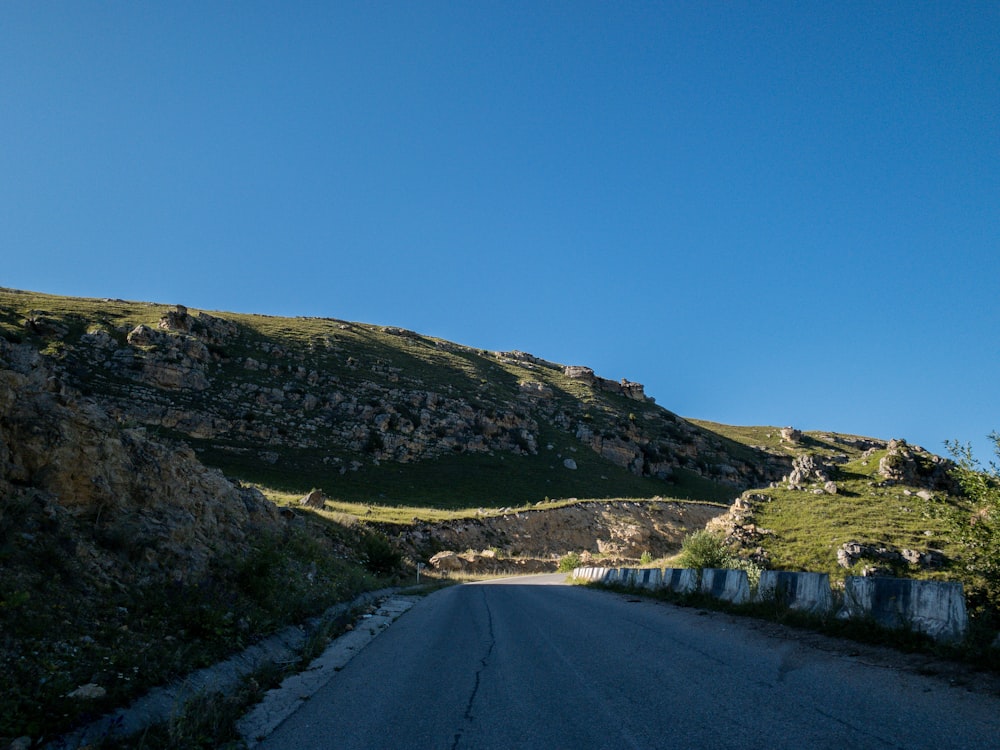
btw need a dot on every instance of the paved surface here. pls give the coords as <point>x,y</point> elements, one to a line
<point>524,663</point>
<point>282,702</point>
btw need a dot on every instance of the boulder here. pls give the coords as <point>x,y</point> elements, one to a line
<point>790,435</point>
<point>315,499</point>
<point>447,561</point>
<point>805,469</point>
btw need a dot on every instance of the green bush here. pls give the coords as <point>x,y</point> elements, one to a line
<point>979,531</point>
<point>380,557</point>
<point>752,569</point>
<point>703,549</point>
<point>569,562</point>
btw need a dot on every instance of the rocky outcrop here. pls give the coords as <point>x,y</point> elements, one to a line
<point>886,559</point>
<point>314,499</point>
<point>739,529</point>
<point>342,394</point>
<point>617,529</point>
<point>913,466</point>
<point>627,388</point>
<point>486,562</point>
<point>806,469</point>
<point>790,435</point>
<point>155,503</point>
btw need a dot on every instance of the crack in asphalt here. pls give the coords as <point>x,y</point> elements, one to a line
<point>482,666</point>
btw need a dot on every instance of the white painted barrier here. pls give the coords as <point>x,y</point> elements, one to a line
<point>643,578</point>
<point>680,580</point>
<point>588,574</point>
<point>727,585</point>
<point>935,608</point>
<point>647,578</point>
<point>807,592</point>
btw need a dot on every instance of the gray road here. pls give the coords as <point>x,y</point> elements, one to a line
<point>523,663</point>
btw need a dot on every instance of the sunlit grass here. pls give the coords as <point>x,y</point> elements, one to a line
<point>348,512</point>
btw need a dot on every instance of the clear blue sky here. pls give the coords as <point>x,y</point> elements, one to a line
<point>768,213</point>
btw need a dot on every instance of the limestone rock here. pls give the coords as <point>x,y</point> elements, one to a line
<point>175,513</point>
<point>790,435</point>
<point>886,556</point>
<point>623,529</point>
<point>447,561</point>
<point>177,320</point>
<point>535,389</point>
<point>577,372</point>
<point>912,465</point>
<point>315,499</point>
<point>806,469</point>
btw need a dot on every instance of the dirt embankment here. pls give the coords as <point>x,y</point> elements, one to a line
<point>615,530</point>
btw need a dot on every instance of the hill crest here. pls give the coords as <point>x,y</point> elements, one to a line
<point>303,402</point>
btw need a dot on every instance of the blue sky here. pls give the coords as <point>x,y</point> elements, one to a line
<point>768,213</point>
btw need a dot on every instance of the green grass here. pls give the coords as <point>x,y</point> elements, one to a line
<point>348,513</point>
<point>367,362</point>
<point>809,528</point>
<point>460,481</point>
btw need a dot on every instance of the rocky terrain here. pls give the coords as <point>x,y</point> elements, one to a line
<point>65,462</point>
<point>124,560</point>
<point>315,399</point>
<point>533,540</point>
<point>136,439</point>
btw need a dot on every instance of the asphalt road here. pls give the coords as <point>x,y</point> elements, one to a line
<point>528,663</point>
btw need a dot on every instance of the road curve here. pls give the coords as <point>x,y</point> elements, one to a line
<point>523,663</point>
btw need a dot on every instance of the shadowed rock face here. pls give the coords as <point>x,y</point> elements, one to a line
<point>359,396</point>
<point>170,513</point>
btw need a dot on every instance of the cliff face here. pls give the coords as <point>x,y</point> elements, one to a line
<point>124,561</point>
<point>271,391</point>
<point>150,510</point>
<point>615,530</point>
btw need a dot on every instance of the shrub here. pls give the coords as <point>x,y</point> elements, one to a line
<point>569,562</point>
<point>979,532</point>
<point>703,549</point>
<point>752,569</point>
<point>380,557</point>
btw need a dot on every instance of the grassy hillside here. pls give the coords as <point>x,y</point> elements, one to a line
<point>308,365</point>
<point>392,426</point>
<point>805,528</point>
<point>389,373</point>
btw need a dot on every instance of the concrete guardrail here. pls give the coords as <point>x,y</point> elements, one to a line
<point>808,592</point>
<point>935,608</point>
<point>727,585</point>
<point>680,580</point>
